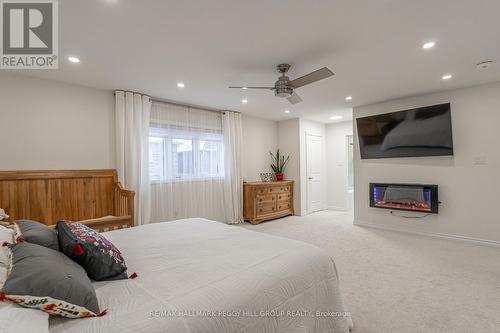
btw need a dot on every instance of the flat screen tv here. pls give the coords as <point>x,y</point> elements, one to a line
<point>424,131</point>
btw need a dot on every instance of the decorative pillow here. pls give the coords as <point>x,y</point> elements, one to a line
<point>47,280</point>
<point>6,238</point>
<point>100,258</point>
<point>36,233</point>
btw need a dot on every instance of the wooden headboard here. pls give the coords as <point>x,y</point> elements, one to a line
<point>52,195</point>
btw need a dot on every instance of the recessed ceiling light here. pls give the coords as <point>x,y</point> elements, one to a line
<point>73,60</point>
<point>244,101</point>
<point>180,85</point>
<point>244,88</point>
<point>447,77</point>
<point>287,111</point>
<point>428,45</point>
<point>348,98</point>
<point>335,117</point>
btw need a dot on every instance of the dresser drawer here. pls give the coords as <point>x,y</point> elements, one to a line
<point>284,205</point>
<point>266,198</point>
<point>266,208</point>
<point>262,190</point>
<point>280,189</point>
<point>274,189</point>
<point>286,196</point>
<point>283,189</point>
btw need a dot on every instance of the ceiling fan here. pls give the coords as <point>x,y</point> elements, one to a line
<point>285,87</point>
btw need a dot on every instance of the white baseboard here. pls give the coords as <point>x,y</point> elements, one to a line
<point>477,241</point>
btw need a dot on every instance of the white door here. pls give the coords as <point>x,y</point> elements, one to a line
<point>314,158</point>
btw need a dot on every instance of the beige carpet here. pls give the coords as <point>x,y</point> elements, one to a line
<point>395,282</point>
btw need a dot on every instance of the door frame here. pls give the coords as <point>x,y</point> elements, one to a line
<point>308,185</point>
<point>348,195</point>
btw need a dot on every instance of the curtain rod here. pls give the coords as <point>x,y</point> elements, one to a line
<point>162,100</point>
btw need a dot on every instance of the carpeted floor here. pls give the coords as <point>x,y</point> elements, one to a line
<point>396,282</point>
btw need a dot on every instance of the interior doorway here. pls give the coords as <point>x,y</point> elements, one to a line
<point>315,177</point>
<point>350,172</point>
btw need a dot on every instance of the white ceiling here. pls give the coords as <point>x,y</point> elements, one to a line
<point>374,48</point>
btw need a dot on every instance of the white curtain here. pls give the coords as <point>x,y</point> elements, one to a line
<point>132,116</point>
<point>189,166</point>
<point>233,184</point>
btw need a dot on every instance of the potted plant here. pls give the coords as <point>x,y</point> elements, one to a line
<point>279,164</point>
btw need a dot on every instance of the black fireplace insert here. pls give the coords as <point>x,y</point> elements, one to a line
<point>408,197</point>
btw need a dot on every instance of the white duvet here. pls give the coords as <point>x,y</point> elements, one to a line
<point>197,275</point>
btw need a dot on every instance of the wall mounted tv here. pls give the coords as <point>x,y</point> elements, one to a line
<point>424,131</point>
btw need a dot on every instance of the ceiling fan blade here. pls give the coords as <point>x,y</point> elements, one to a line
<point>295,98</point>
<point>320,74</point>
<point>269,88</point>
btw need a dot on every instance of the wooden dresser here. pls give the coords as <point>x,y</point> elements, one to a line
<point>264,201</point>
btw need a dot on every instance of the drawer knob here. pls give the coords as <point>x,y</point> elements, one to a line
<point>279,207</point>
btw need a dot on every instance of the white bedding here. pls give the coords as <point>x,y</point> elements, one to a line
<point>191,271</point>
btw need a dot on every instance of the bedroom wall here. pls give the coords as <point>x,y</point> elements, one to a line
<point>469,182</point>
<point>337,195</point>
<point>260,136</point>
<point>289,143</point>
<point>50,125</point>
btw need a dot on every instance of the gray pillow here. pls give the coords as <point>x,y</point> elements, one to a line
<point>37,233</point>
<point>48,280</point>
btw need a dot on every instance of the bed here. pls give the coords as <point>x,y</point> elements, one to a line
<point>197,275</point>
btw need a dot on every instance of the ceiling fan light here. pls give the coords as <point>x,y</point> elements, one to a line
<point>283,91</point>
<point>283,94</point>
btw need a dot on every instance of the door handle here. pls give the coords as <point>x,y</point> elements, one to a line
<point>310,178</point>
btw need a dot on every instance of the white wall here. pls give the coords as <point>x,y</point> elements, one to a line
<point>50,125</point>
<point>318,129</point>
<point>289,143</point>
<point>469,192</point>
<point>260,136</point>
<point>336,165</point>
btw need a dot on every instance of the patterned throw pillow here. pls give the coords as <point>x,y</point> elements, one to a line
<point>44,279</point>
<point>100,258</point>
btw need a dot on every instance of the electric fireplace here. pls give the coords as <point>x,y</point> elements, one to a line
<point>409,197</point>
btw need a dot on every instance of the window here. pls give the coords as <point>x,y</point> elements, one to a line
<point>179,153</point>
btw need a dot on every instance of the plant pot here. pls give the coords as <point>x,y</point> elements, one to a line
<point>280,176</point>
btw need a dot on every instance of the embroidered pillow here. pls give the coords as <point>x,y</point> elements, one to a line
<point>6,238</point>
<point>44,279</point>
<point>100,258</point>
<point>36,233</point>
